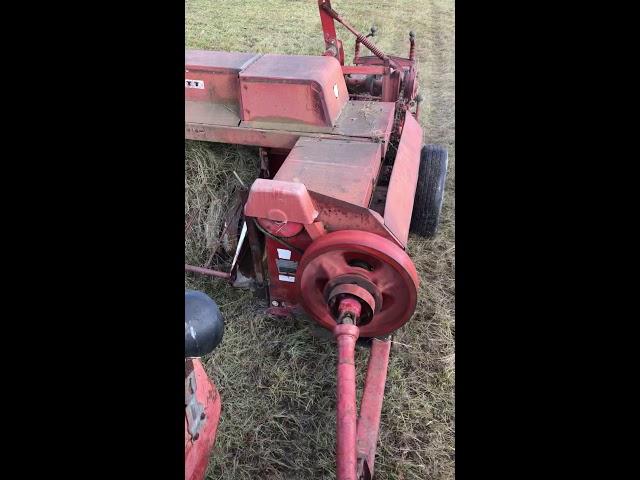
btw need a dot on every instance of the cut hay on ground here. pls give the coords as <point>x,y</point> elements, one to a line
<point>276,378</point>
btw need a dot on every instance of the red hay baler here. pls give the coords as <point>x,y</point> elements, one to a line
<point>344,177</point>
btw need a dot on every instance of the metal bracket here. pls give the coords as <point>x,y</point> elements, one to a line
<point>193,410</point>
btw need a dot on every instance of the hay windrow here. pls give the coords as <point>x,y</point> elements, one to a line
<point>209,188</point>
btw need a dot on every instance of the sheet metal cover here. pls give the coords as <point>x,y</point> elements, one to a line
<point>208,60</point>
<point>404,177</point>
<point>336,168</point>
<point>271,89</point>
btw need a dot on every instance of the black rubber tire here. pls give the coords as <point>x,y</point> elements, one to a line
<point>427,204</point>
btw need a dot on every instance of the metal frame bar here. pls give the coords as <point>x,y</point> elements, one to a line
<point>356,438</point>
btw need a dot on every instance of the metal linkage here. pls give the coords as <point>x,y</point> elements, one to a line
<point>360,37</point>
<point>356,54</point>
<point>371,406</point>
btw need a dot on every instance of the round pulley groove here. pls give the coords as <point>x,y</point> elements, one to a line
<point>364,260</point>
<point>358,280</point>
<point>366,300</point>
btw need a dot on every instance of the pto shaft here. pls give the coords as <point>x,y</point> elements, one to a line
<point>346,457</point>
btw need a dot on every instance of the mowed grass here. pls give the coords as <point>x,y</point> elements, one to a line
<point>277,377</point>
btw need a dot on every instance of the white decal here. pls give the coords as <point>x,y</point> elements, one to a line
<point>335,89</point>
<point>286,278</point>
<point>284,254</point>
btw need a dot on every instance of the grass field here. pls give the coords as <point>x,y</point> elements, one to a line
<point>276,378</point>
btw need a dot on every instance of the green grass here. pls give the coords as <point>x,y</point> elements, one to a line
<point>277,377</point>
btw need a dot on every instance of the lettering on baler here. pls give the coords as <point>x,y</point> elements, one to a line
<point>199,84</point>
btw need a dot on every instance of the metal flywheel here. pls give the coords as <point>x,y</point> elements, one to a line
<point>360,265</point>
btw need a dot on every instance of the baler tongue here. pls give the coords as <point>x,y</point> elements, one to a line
<point>356,439</point>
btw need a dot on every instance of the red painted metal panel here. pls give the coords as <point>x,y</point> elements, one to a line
<point>212,78</point>
<point>280,201</point>
<point>340,169</point>
<point>293,88</point>
<point>404,177</point>
<point>372,120</point>
<point>359,121</point>
<point>212,87</point>
<point>337,215</point>
<point>217,61</point>
<point>240,136</point>
<point>363,70</point>
<point>282,287</point>
<point>196,451</point>
<point>371,403</point>
<point>215,113</point>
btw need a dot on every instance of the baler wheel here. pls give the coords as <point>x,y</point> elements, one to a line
<point>427,205</point>
<point>352,261</point>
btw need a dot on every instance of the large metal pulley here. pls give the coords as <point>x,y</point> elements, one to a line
<point>362,266</point>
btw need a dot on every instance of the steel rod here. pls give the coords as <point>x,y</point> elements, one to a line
<point>363,39</point>
<point>206,271</point>
<point>371,404</point>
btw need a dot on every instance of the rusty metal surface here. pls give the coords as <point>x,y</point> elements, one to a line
<point>364,70</point>
<point>364,119</point>
<point>293,88</point>
<point>214,113</point>
<point>340,169</point>
<point>338,215</point>
<point>359,121</point>
<point>371,60</point>
<point>404,177</point>
<point>206,271</point>
<point>241,136</point>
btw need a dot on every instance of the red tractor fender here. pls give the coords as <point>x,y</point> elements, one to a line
<point>202,414</point>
